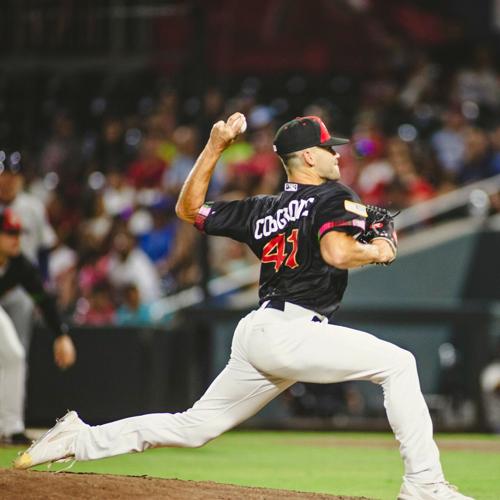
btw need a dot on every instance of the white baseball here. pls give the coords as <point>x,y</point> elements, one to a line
<point>243,125</point>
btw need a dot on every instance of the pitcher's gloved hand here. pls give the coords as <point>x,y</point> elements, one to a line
<point>380,225</point>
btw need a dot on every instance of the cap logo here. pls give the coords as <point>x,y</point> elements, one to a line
<point>324,134</point>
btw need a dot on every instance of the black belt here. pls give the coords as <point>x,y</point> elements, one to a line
<point>279,304</point>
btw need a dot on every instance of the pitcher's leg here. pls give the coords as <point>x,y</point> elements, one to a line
<point>12,378</point>
<point>236,394</point>
<point>318,352</point>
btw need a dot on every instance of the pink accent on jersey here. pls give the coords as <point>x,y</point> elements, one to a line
<point>329,225</point>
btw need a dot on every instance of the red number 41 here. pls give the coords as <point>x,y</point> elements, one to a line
<point>275,251</point>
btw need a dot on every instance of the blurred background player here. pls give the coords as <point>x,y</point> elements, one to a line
<point>36,239</point>
<point>16,270</point>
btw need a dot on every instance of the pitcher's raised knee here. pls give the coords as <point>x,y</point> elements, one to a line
<point>404,360</point>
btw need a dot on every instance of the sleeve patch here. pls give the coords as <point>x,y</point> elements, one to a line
<point>203,213</point>
<point>355,208</point>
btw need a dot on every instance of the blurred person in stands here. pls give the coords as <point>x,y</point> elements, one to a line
<point>181,268</point>
<point>159,239</point>
<point>62,149</point>
<point>495,146</point>
<point>422,77</point>
<point>162,123</point>
<point>62,271</point>
<point>18,271</point>
<point>449,141</point>
<point>97,309</point>
<point>118,196</point>
<point>478,83</point>
<point>185,139</point>
<point>212,110</point>
<point>129,264</point>
<point>407,187</point>
<point>110,150</point>
<point>132,312</point>
<point>97,223</point>
<point>65,215</point>
<point>375,172</point>
<point>93,268</point>
<point>38,235</point>
<point>94,259</point>
<point>148,169</point>
<point>229,256</point>
<point>161,127</point>
<point>264,160</point>
<point>479,160</point>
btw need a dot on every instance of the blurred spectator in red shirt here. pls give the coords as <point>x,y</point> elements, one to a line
<point>98,309</point>
<point>408,186</point>
<point>147,171</point>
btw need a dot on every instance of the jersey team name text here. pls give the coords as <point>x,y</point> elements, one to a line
<point>272,223</point>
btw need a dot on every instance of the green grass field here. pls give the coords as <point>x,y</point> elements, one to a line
<point>338,463</point>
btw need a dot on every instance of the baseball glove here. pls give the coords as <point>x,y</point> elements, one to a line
<point>380,225</point>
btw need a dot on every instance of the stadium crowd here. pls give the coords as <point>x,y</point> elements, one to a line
<point>109,175</point>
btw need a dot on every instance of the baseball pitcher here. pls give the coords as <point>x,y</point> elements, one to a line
<point>307,237</point>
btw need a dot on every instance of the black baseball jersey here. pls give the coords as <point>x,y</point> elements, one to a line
<point>20,271</point>
<point>284,232</point>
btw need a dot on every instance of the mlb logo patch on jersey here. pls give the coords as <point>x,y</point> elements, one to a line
<point>290,186</point>
<point>355,208</point>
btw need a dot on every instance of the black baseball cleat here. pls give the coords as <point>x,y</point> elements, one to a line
<point>17,439</point>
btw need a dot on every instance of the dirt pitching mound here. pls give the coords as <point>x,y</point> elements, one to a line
<point>20,485</point>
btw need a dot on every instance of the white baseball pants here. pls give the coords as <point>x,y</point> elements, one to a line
<point>12,378</point>
<point>271,350</point>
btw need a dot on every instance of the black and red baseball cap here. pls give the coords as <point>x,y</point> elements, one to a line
<point>10,223</point>
<point>304,132</point>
